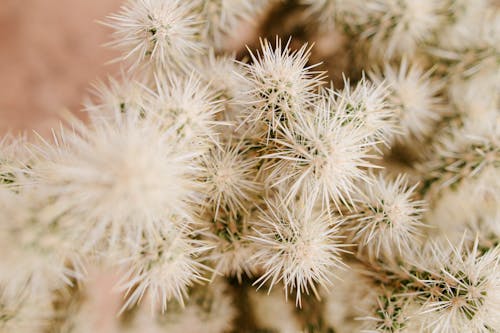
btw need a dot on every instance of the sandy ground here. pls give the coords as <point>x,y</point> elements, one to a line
<point>50,50</point>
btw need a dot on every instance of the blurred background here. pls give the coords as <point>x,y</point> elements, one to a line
<point>50,53</point>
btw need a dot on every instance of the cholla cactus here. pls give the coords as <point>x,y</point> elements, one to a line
<point>219,183</point>
<point>387,220</point>
<point>163,33</point>
<point>415,99</point>
<point>297,245</point>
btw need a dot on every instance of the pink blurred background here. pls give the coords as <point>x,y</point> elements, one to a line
<point>50,52</point>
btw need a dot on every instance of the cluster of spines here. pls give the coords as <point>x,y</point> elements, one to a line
<point>270,175</point>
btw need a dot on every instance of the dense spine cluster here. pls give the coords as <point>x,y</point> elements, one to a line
<point>216,187</point>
